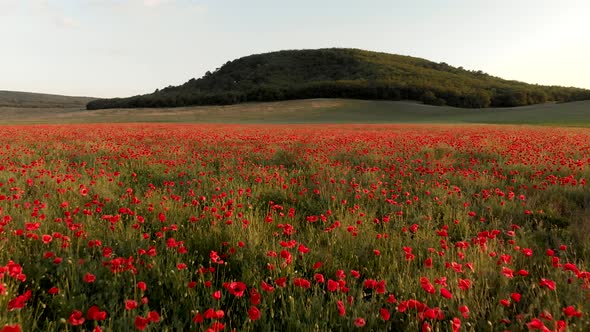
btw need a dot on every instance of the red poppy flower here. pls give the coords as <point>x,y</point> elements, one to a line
<point>94,313</point>
<point>254,296</point>
<point>319,278</point>
<point>456,324</point>
<point>391,299</point>
<point>464,284</point>
<point>536,324</point>
<point>236,288</point>
<point>385,314</point>
<point>89,278</point>
<point>546,283</point>
<point>20,301</point>
<point>46,238</point>
<point>198,318</point>
<point>254,313</point>
<point>341,308</point>
<point>130,304</point>
<point>464,310</point>
<point>507,272</point>
<point>141,323</point>
<point>76,318</point>
<point>216,326</point>
<point>515,297</point>
<point>426,285</point>
<point>333,285</point>
<point>214,314</point>
<point>266,287</point>
<point>359,322</point>
<point>300,282</point>
<point>154,316</point>
<point>11,328</point>
<point>142,286</point>
<point>572,312</point>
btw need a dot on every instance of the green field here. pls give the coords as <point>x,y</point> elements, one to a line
<point>40,100</point>
<point>310,111</point>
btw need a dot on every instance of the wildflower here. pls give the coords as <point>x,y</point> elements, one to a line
<point>570,311</point>
<point>341,308</point>
<point>456,324</point>
<point>76,318</point>
<point>546,283</point>
<point>142,286</point>
<point>464,310</point>
<point>464,284</point>
<point>89,278</point>
<point>11,328</point>
<point>141,323</point>
<point>254,313</point>
<point>94,313</point>
<point>445,293</point>
<point>515,297</point>
<point>20,301</point>
<point>359,322</point>
<point>130,304</point>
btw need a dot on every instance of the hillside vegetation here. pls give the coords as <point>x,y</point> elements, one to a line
<point>346,73</point>
<point>15,99</point>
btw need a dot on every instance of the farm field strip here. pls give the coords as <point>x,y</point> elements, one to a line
<point>165,227</point>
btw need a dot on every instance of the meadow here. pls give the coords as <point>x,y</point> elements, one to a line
<point>166,227</point>
<point>319,111</point>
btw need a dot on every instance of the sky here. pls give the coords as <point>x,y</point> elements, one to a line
<point>118,48</point>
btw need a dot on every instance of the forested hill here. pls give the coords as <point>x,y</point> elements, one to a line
<point>346,73</point>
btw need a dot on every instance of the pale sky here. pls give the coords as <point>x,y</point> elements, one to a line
<point>117,48</point>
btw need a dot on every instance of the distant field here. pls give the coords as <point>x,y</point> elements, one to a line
<point>307,111</point>
<point>40,100</point>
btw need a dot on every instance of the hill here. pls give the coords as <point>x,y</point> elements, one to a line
<point>15,99</point>
<point>346,73</point>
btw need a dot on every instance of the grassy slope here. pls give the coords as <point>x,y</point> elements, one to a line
<point>314,111</point>
<point>40,100</point>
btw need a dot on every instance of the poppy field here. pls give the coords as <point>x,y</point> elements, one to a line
<point>181,227</point>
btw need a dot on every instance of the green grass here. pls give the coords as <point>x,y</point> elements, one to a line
<point>313,111</point>
<point>40,100</point>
